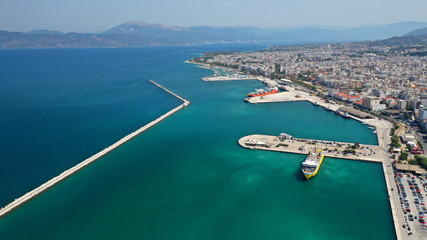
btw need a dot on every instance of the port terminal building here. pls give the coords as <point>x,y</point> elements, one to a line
<point>355,112</point>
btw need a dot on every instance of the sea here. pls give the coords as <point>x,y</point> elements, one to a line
<point>186,177</point>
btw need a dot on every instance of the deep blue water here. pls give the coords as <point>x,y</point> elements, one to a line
<point>60,106</point>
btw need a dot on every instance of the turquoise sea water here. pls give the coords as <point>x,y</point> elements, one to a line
<point>186,178</point>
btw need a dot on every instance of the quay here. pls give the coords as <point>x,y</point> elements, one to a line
<point>291,95</point>
<point>229,78</point>
<point>28,196</point>
<point>369,153</point>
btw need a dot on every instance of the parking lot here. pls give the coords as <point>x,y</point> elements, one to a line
<point>412,194</point>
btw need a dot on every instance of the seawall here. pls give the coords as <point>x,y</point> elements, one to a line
<point>28,196</point>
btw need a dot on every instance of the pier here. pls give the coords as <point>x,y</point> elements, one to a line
<point>229,78</point>
<point>291,95</point>
<point>333,149</point>
<point>28,196</point>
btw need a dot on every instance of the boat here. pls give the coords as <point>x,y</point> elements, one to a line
<point>312,163</point>
<point>263,91</point>
<point>342,114</point>
<point>346,115</point>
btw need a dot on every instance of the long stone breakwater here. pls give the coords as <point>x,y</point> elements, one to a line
<point>28,196</point>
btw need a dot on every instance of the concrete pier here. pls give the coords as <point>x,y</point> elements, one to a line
<point>19,201</point>
<point>228,78</point>
<point>369,153</point>
<point>292,95</point>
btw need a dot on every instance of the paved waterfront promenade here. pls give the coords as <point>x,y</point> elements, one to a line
<point>19,201</point>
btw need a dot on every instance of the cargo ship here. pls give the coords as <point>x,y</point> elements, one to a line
<point>262,92</point>
<point>311,164</point>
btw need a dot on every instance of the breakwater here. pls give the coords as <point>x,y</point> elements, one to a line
<point>28,196</point>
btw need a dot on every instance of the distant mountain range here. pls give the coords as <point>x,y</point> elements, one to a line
<point>135,34</point>
<point>418,32</point>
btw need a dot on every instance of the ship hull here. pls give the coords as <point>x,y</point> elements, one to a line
<point>262,94</point>
<point>309,175</point>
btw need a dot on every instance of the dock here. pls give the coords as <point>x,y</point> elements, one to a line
<point>229,78</point>
<point>292,95</point>
<point>28,196</point>
<point>333,149</point>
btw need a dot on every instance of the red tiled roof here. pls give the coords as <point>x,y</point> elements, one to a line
<point>342,94</point>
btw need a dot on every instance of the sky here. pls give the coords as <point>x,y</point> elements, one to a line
<point>100,15</point>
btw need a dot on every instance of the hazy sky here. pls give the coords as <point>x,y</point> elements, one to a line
<point>100,15</point>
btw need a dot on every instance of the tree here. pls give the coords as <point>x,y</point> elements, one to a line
<point>413,162</point>
<point>422,161</point>
<point>420,144</point>
<point>350,150</point>
<point>406,115</point>
<point>356,145</point>
<point>395,141</point>
<point>277,68</point>
<point>403,156</point>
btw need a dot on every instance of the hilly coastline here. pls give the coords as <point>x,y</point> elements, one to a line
<point>137,34</point>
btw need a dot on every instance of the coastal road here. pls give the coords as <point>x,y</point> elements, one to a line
<point>396,209</point>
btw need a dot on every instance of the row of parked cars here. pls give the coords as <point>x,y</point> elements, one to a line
<point>414,197</point>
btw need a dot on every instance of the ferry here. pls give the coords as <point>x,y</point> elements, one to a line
<point>262,92</point>
<point>311,164</point>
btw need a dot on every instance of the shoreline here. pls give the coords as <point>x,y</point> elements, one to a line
<point>67,173</point>
<point>213,69</point>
